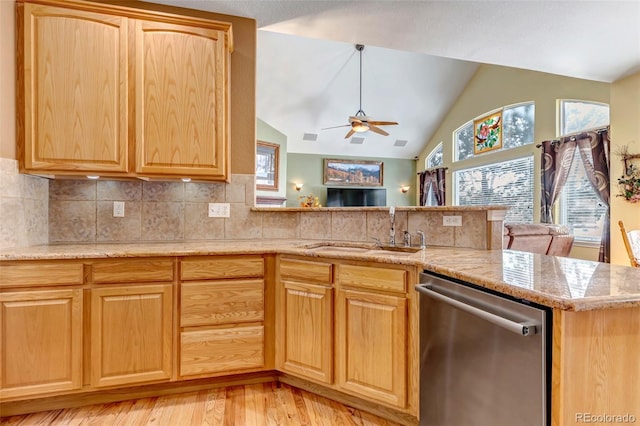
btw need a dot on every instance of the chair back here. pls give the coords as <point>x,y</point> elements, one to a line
<point>631,241</point>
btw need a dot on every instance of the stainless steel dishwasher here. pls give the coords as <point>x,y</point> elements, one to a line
<point>484,358</point>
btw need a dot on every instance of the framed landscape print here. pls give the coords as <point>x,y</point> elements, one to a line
<point>267,155</point>
<point>487,133</point>
<point>352,172</point>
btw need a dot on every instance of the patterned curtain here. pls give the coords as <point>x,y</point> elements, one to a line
<point>557,158</point>
<point>434,180</point>
<point>598,143</point>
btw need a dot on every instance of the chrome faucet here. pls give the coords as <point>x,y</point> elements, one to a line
<point>407,239</point>
<point>423,239</point>
<point>392,231</point>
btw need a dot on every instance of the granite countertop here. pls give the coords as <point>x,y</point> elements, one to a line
<point>556,282</point>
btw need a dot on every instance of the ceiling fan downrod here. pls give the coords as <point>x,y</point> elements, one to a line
<point>360,48</point>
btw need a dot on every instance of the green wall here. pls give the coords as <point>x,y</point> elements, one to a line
<point>308,170</point>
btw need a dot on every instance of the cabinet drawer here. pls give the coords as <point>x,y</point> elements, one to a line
<point>127,271</point>
<point>307,271</point>
<point>36,273</point>
<point>221,350</point>
<point>222,267</point>
<point>221,302</point>
<point>370,277</point>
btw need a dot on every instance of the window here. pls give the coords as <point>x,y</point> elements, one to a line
<point>517,130</point>
<point>507,183</point>
<point>576,116</point>
<point>580,208</point>
<point>434,159</point>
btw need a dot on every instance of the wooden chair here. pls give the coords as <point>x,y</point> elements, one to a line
<point>632,244</point>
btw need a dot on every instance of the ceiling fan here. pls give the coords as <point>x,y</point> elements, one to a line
<point>360,122</point>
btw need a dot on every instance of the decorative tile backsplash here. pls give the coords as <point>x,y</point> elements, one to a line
<point>24,203</point>
<point>38,211</point>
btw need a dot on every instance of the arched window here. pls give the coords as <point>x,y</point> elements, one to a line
<point>489,181</point>
<point>434,159</point>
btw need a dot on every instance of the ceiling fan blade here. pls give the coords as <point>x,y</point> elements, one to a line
<point>382,123</point>
<point>351,132</point>
<point>377,130</point>
<point>335,127</point>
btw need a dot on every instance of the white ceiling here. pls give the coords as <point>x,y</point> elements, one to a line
<point>419,55</point>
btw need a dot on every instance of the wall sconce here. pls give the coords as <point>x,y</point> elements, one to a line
<point>405,189</point>
<point>299,186</point>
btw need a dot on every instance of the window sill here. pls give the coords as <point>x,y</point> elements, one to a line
<point>586,244</point>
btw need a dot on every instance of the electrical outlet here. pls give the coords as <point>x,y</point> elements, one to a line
<point>451,220</point>
<point>219,210</point>
<point>118,209</point>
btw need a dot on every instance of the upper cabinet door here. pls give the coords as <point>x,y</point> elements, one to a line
<point>182,77</point>
<point>72,95</point>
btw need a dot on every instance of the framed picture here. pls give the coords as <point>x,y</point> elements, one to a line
<point>267,155</point>
<point>352,172</point>
<point>487,133</point>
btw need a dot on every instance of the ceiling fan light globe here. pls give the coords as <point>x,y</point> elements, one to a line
<point>360,127</point>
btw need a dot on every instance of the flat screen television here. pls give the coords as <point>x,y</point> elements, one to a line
<point>356,197</point>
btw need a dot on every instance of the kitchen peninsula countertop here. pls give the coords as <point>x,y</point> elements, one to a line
<point>556,282</point>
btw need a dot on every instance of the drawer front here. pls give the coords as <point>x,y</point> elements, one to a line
<point>370,277</point>
<point>133,271</point>
<point>221,302</point>
<point>306,271</point>
<point>221,350</point>
<point>36,273</point>
<point>222,267</point>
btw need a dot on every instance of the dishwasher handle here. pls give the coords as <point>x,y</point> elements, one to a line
<point>520,328</point>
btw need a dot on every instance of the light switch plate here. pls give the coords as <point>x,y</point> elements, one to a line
<point>451,220</point>
<point>118,209</point>
<point>219,210</point>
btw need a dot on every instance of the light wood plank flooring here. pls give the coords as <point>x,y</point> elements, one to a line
<point>257,405</point>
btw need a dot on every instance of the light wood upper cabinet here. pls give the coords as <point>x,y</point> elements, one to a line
<point>122,92</point>
<point>181,100</point>
<point>40,342</point>
<point>131,334</point>
<point>72,91</point>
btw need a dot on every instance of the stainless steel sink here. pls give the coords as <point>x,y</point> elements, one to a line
<point>406,249</point>
<point>342,249</point>
<point>361,248</point>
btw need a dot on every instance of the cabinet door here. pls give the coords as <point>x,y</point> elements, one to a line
<point>72,99</point>
<point>131,329</point>
<point>305,332</point>
<point>371,354</point>
<point>181,101</point>
<point>40,342</point>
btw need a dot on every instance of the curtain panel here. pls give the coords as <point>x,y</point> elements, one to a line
<point>557,159</point>
<point>433,180</point>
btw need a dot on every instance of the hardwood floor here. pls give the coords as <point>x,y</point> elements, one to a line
<point>257,405</point>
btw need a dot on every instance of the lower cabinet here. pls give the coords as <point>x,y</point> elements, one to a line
<point>305,347</point>
<point>345,325</point>
<point>40,342</point>
<point>371,354</point>
<point>221,315</point>
<point>131,334</point>
<point>221,349</point>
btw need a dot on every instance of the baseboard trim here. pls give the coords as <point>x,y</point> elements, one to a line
<point>105,396</point>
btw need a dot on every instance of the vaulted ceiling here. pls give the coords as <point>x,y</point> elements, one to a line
<point>418,57</point>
